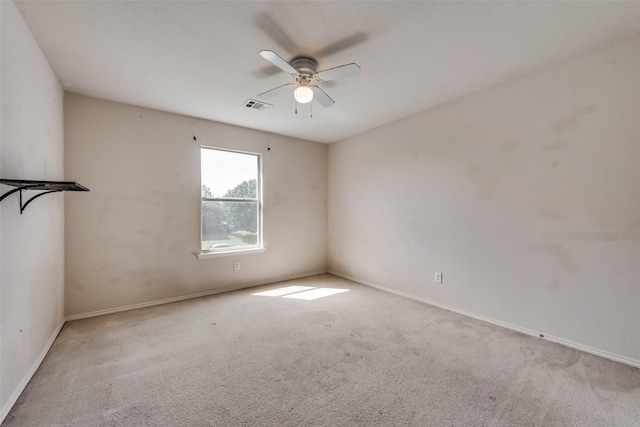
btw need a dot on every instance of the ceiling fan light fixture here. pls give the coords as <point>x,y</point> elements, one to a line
<point>303,94</point>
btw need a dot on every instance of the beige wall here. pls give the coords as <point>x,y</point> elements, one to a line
<point>525,195</point>
<point>133,238</point>
<point>32,244</point>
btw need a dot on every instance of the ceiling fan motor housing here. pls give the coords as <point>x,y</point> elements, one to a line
<point>304,65</point>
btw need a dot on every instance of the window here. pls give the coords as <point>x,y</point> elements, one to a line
<point>231,206</point>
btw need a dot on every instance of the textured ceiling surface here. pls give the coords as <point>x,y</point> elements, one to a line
<point>201,58</point>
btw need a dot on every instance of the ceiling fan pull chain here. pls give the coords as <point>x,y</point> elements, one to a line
<point>311,109</point>
<point>296,107</point>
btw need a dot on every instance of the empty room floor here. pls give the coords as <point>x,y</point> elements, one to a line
<point>317,351</point>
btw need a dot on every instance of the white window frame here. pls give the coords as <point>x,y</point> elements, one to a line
<point>258,247</point>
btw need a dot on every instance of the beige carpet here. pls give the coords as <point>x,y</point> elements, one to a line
<point>356,358</point>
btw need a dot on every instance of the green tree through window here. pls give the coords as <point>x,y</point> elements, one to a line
<point>242,216</point>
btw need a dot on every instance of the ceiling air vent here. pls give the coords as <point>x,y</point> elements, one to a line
<point>257,105</point>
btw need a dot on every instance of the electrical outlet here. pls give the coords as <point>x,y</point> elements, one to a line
<point>438,277</point>
<point>236,265</point>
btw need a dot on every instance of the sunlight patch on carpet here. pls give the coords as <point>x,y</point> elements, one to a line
<point>283,291</point>
<point>301,292</point>
<point>316,293</point>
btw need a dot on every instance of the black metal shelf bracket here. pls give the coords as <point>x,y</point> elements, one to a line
<point>45,187</point>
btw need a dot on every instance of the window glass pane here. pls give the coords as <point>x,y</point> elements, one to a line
<point>228,174</point>
<point>228,225</point>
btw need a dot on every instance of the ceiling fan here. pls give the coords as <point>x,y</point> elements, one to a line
<point>303,70</point>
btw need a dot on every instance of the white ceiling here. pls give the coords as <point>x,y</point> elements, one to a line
<point>201,58</point>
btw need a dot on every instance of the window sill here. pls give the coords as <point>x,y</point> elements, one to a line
<point>208,255</point>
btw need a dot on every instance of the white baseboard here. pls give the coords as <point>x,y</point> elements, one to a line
<point>32,370</point>
<point>558,340</point>
<point>190,296</point>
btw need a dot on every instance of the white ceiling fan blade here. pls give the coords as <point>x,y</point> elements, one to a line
<point>273,92</point>
<point>322,97</point>
<point>275,59</point>
<point>337,72</point>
